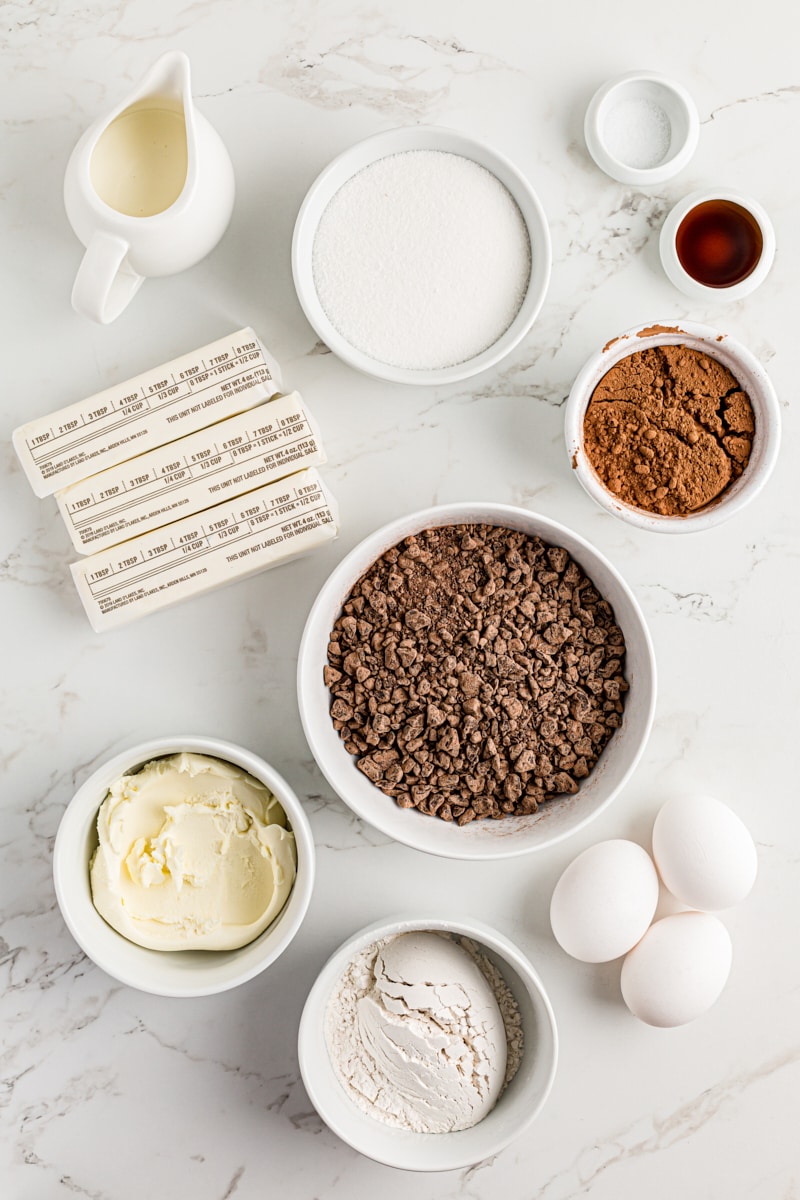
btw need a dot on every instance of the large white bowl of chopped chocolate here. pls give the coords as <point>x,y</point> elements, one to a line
<point>476,681</point>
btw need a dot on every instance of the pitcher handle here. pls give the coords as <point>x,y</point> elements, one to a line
<point>105,284</point>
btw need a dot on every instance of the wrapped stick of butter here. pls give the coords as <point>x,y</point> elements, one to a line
<point>263,529</point>
<point>226,377</point>
<point>191,474</point>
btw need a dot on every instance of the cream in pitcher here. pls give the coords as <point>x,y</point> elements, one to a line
<point>148,190</point>
<point>138,166</point>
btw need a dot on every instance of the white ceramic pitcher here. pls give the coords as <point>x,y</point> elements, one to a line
<point>149,191</point>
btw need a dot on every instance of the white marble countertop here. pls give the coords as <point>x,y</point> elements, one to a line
<point>112,1094</point>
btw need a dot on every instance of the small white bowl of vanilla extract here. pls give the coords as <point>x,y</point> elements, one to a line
<point>717,245</point>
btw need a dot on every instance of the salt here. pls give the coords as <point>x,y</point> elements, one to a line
<point>422,260</point>
<point>638,132</point>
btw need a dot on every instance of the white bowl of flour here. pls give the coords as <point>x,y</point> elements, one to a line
<point>421,256</point>
<point>357,1114</point>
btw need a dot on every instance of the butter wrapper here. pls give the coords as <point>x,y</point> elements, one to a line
<point>193,391</point>
<point>233,540</point>
<point>191,474</point>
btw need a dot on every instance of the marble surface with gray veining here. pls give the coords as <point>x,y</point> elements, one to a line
<point>112,1094</point>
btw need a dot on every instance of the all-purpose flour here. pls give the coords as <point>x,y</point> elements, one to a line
<point>422,259</point>
<point>424,1032</point>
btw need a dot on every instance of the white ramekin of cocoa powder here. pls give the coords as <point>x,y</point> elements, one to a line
<point>476,681</point>
<point>673,428</point>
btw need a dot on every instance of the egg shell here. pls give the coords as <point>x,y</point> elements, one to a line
<point>704,853</point>
<point>604,901</point>
<point>678,969</point>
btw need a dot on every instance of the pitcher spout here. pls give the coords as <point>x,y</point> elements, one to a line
<point>169,77</point>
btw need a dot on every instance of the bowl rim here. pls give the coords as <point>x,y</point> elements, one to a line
<point>380,145</point>
<point>674,269</point>
<point>313,1015</point>
<point>717,345</point>
<point>384,538</point>
<point>79,815</point>
<point>618,169</point>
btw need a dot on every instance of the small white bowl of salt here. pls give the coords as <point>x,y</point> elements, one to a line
<point>641,128</point>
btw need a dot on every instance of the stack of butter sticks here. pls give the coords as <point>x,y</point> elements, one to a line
<point>195,474</point>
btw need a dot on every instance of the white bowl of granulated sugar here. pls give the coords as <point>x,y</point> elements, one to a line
<point>421,256</point>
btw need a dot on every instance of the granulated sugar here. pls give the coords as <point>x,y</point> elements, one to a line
<point>422,260</point>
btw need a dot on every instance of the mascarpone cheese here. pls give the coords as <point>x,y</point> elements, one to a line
<point>193,854</point>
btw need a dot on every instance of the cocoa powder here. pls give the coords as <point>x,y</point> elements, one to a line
<point>668,429</point>
<point>475,672</point>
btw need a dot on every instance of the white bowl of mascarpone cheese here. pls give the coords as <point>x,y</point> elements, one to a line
<point>170,971</point>
<point>513,1112</point>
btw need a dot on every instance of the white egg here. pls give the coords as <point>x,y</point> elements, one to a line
<point>604,901</point>
<point>703,852</point>
<point>678,969</point>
